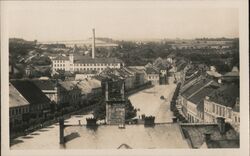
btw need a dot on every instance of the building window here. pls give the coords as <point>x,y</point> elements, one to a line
<point>213,108</point>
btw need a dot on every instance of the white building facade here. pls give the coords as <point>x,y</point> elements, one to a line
<point>74,63</point>
<point>86,64</point>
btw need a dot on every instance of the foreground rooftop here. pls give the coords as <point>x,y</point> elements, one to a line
<point>166,135</point>
<point>195,134</point>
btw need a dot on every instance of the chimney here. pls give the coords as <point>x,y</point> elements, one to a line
<point>61,129</point>
<point>221,124</point>
<point>91,121</point>
<point>149,121</point>
<point>93,44</point>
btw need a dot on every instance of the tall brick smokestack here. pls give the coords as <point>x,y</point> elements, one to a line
<point>93,44</point>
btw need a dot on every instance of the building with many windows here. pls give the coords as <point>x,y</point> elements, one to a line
<point>153,75</point>
<point>18,107</point>
<point>28,104</point>
<point>75,63</point>
<point>71,94</point>
<point>192,99</point>
<point>224,102</point>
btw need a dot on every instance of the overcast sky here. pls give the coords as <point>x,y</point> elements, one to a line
<point>74,21</point>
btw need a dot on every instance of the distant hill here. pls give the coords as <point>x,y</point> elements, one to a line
<point>100,42</point>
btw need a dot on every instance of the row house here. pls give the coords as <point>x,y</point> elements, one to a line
<point>169,70</point>
<point>70,94</point>
<point>61,93</point>
<point>192,99</point>
<point>90,88</point>
<point>18,107</point>
<point>27,100</point>
<point>163,66</point>
<point>152,75</point>
<point>132,76</point>
<point>224,102</point>
<point>138,76</point>
<point>206,100</point>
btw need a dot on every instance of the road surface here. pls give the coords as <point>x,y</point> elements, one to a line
<point>148,102</point>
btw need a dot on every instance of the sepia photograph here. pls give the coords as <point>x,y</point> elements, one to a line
<point>81,75</point>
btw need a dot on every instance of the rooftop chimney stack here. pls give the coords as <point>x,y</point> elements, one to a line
<point>61,130</point>
<point>93,44</point>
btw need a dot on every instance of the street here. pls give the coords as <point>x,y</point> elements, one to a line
<point>149,102</point>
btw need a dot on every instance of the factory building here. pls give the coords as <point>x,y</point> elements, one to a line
<point>75,63</point>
